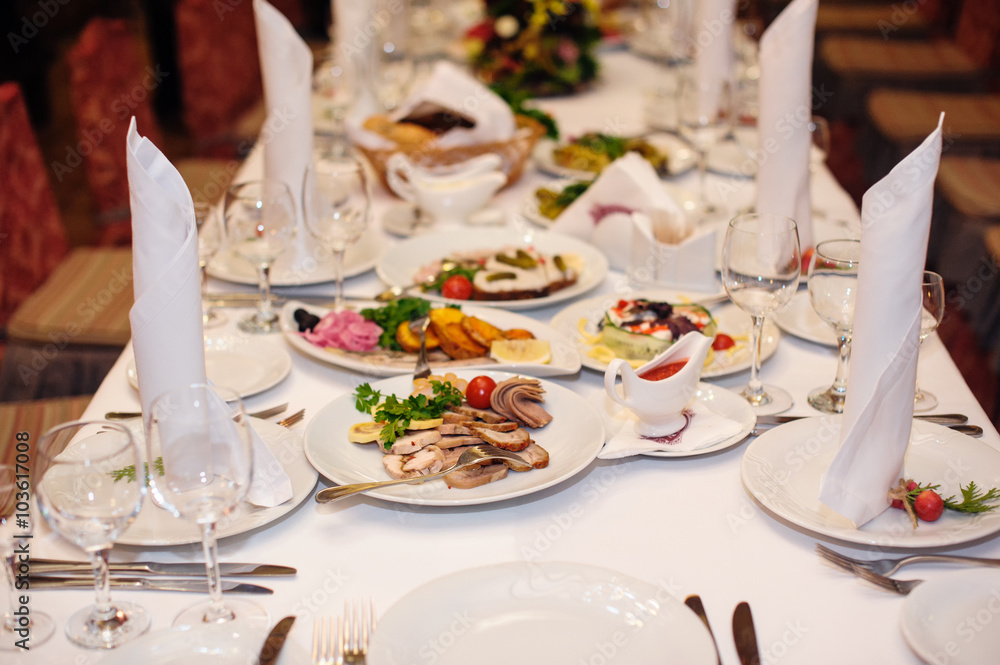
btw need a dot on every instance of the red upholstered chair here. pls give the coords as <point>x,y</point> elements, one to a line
<point>32,239</point>
<point>221,88</point>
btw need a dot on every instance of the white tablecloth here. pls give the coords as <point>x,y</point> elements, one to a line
<point>687,525</point>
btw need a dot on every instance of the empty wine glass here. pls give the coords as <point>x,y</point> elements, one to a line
<point>833,289</point>
<point>760,271</point>
<point>334,92</point>
<point>703,119</point>
<point>209,241</point>
<point>260,224</point>
<point>21,629</point>
<point>335,201</point>
<point>931,314</point>
<point>200,444</point>
<point>819,131</point>
<point>90,489</point>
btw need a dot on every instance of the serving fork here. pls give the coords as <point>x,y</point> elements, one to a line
<point>423,368</point>
<point>902,587</point>
<point>889,566</point>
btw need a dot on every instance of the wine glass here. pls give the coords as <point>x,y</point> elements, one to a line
<point>260,224</point>
<point>760,271</point>
<point>335,201</point>
<point>20,629</point>
<point>931,314</point>
<point>819,131</point>
<point>200,443</point>
<point>209,241</point>
<point>334,92</point>
<point>833,289</point>
<point>394,68</point>
<point>89,491</point>
<point>703,119</point>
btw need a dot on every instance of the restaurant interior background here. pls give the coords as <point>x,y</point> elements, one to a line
<point>47,51</point>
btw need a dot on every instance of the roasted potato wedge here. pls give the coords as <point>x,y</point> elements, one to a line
<point>410,341</point>
<point>518,333</point>
<point>457,343</point>
<point>443,316</point>
<point>481,332</point>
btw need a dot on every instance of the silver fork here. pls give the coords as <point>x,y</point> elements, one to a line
<point>899,586</point>
<point>322,646</point>
<point>889,566</point>
<point>423,368</point>
<point>359,622</point>
<point>292,419</point>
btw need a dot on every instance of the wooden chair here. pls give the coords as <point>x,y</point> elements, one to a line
<point>35,418</point>
<point>883,20</point>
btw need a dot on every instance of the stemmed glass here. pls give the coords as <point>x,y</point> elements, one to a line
<point>931,314</point>
<point>336,199</point>
<point>760,271</point>
<point>334,92</point>
<point>702,126</point>
<point>88,490</point>
<point>200,443</point>
<point>209,241</point>
<point>19,630</point>
<point>833,289</point>
<point>260,224</point>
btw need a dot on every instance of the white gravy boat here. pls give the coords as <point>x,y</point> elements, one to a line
<point>449,194</point>
<point>659,405</point>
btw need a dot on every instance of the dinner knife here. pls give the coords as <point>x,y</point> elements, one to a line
<point>43,566</point>
<point>745,636</point>
<point>275,640</point>
<point>143,584</point>
<point>938,418</point>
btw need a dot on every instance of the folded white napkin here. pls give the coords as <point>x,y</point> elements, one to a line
<point>786,55</point>
<point>629,184</point>
<point>453,90</point>
<point>705,428</point>
<point>167,336</point>
<point>875,429</point>
<point>687,262</point>
<point>354,47</point>
<point>713,32</point>
<point>286,69</point>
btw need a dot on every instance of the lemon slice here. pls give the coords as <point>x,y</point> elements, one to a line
<point>521,351</point>
<point>366,432</point>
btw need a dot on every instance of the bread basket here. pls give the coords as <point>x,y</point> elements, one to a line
<point>514,152</point>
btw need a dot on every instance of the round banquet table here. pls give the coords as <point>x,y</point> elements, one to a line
<point>687,525</point>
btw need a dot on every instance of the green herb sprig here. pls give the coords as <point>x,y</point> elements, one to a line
<point>973,499</point>
<point>397,414</point>
<point>391,315</point>
<point>128,472</point>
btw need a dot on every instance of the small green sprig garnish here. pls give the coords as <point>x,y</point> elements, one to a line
<point>397,414</point>
<point>366,398</point>
<point>973,499</point>
<point>128,472</point>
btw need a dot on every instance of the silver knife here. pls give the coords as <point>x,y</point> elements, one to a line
<point>42,566</point>
<point>275,640</point>
<point>939,418</point>
<point>745,636</point>
<point>199,586</point>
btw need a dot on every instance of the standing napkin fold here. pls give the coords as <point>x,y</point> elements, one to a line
<point>286,68</point>
<point>786,55</point>
<point>167,336</point>
<point>714,58</point>
<point>875,429</point>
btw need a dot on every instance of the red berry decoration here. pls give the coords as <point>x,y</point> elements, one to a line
<point>928,505</point>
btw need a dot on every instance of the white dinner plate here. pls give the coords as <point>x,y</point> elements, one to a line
<point>549,612</point>
<point>565,357</point>
<point>731,320</point>
<point>717,400</point>
<point>951,618</point>
<point>783,468</point>
<point>247,366</point>
<point>680,157</point>
<point>236,643</point>
<point>401,262</point>
<point>573,439</point>
<point>292,270</point>
<point>800,319</point>
<point>156,527</point>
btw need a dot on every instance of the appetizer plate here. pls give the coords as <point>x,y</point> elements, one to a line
<point>155,527</point>
<point>565,357</point>
<point>718,400</point>
<point>402,261</point>
<point>783,469</point>
<point>686,199</point>
<point>731,320</point>
<point>573,439</point>
<point>950,614</point>
<point>292,270</point>
<point>247,366</point>
<point>800,319</point>
<point>680,157</point>
<point>551,612</point>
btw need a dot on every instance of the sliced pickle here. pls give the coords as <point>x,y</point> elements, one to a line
<point>497,276</point>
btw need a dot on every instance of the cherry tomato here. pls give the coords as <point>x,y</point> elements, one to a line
<point>722,342</point>
<point>457,287</point>
<point>928,505</point>
<point>806,258</point>
<point>478,392</point>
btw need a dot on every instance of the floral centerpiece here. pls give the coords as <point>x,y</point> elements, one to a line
<point>545,47</point>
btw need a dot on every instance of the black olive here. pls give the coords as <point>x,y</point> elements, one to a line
<point>305,320</point>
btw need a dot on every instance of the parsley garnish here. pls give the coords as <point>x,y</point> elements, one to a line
<point>397,414</point>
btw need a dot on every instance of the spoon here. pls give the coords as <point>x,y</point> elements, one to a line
<point>694,602</point>
<point>477,454</point>
<point>394,292</point>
